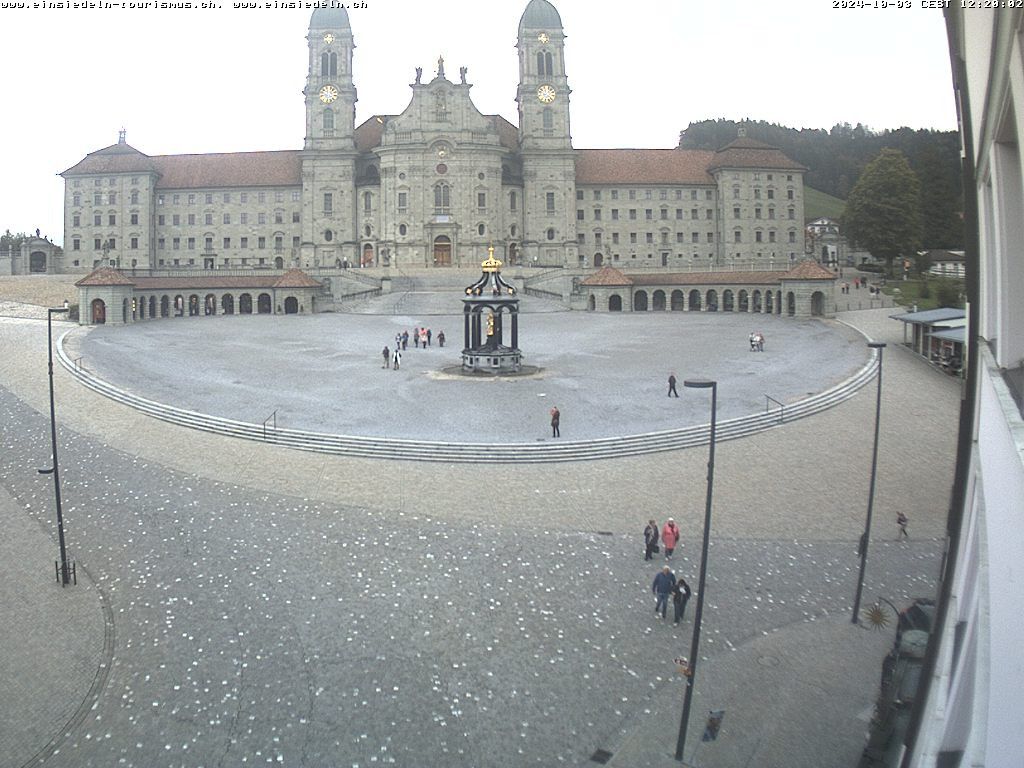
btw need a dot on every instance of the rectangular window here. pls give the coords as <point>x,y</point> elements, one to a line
<point>597,238</point>
<point>279,243</point>
<point>758,236</point>
<point>709,214</point>
<point>597,194</point>
<point>192,198</point>
<point>243,242</point>
<point>296,195</point>
<point>160,220</point>
<point>736,212</point>
<point>243,218</point>
<point>76,244</point>
<point>632,238</point>
<point>679,237</point>
<point>97,198</point>
<point>579,214</point>
<point>693,194</point>
<point>159,199</point>
<point>209,198</point>
<point>771,237</point>
<point>550,202</point>
<point>789,194</point>
<point>615,194</point>
<point>757,194</point>
<point>771,194</point>
<point>597,214</point>
<point>97,219</point>
<point>648,214</point>
<point>76,220</point>
<point>227,243</point>
<point>736,236</point>
<point>581,239</point>
<point>579,194</point>
<point>209,219</point>
<point>134,197</point>
<point>160,244</point>
<point>176,219</point>
<point>792,236</point>
<point>112,198</point>
<point>735,192</point>
<point>664,214</point>
<point>481,200</point>
<point>261,197</point>
<point>647,194</point>
<point>632,194</point>
<point>679,214</point>
<point>632,214</point>
<point>328,202</point>
<point>615,214</point>
<point>295,217</point>
<point>279,216</point>
<point>694,237</point>
<point>709,195</point>
<point>175,198</point>
<point>261,242</point>
<point>279,197</point>
<point>663,194</point>
<point>512,202</point>
<point>112,244</point>
<point>227,197</point>
<point>650,237</point>
<point>176,243</point>
<point>243,197</point>
<point>792,213</point>
<point>295,241</point>
<point>403,201</point>
<point>711,237</point>
<point>191,243</point>
<point>771,213</point>
<point>615,238</point>
<point>757,213</point>
<point>227,218</point>
<point>208,245</point>
<point>261,217</point>
<point>135,243</point>
<point>112,219</point>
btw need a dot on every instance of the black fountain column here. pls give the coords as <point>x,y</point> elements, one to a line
<point>486,302</point>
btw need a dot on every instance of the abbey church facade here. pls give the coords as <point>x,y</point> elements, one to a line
<point>435,185</point>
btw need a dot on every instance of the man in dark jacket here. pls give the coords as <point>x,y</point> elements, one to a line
<point>680,597</point>
<point>650,540</point>
<point>662,588</point>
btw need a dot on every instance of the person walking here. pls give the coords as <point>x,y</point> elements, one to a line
<point>669,537</point>
<point>415,338</point>
<point>386,353</point>
<point>680,597</point>
<point>429,337</point>
<point>672,385</point>
<point>901,521</point>
<point>556,417</point>
<point>405,339</point>
<point>397,359</point>
<point>440,339</point>
<point>650,540</point>
<point>662,588</point>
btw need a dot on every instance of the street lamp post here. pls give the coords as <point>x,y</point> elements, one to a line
<point>65,572</point>
<point>698,615</point>
<point>862,550</point>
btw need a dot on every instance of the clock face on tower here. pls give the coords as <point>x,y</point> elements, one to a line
<point>546,94</point>
<point>543,38</point>
<point>328,94</point>
<point>328,38</point>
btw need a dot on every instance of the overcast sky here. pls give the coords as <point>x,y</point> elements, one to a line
<point>193,81</point>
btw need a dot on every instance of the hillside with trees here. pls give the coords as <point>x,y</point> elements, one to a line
<point>836,159</point>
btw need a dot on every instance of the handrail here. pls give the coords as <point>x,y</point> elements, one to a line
<point>782,407</point>
<point>271,416</point>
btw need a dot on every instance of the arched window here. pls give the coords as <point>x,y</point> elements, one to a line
<point>548,64</point>
<point>328,122</point>
<point>442,198</point>
<point>328,235</point>
<point>334,63</point>
<point>480,229</point>
<point>549,119</point>
<point>540,63</point>
<point>512,201</point>
<point>551,234</point>
<point>402,229</point>
<point>367,202</point>
<point>325,60</point>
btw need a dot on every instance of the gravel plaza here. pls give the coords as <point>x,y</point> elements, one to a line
<point>607,373</point>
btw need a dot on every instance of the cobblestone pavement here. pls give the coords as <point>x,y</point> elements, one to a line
<point>277,607</point>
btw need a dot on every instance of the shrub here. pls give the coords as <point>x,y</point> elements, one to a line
<point>948,294</point>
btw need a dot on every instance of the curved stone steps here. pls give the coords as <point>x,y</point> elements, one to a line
<point>499,453</point>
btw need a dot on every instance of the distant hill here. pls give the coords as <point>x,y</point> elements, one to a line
<point>818,204</point>
<point>835,159</point>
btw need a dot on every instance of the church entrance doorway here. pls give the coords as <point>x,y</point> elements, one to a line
<point>442,251</point>
<point>367,255</point>
<point>291,306</point>
<point>37,262</point>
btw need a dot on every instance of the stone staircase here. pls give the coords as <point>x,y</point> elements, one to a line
<point>477,453</point>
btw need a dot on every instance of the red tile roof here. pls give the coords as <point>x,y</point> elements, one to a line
<point>809,269</point>
<point>235,169</point>
<point>643,166</point>
<point>117,158</point>
<point>608,276</point>
<point>748,153</point>
<point>296,278</point>
<point>105,276</point>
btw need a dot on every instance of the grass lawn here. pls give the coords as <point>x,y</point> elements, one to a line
<point>818,204</point>
<point>909,292</point>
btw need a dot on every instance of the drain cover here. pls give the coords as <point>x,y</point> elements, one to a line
<point>601,756</point>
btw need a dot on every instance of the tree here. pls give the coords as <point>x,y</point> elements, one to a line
<point>883,211</point>
<point>942,226</point>
<point>11,240</point>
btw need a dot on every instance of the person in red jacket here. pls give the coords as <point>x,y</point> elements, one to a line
<point>669,537</point>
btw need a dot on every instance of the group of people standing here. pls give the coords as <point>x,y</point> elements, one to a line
<point>421,337</point>
<point>756,341</point>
